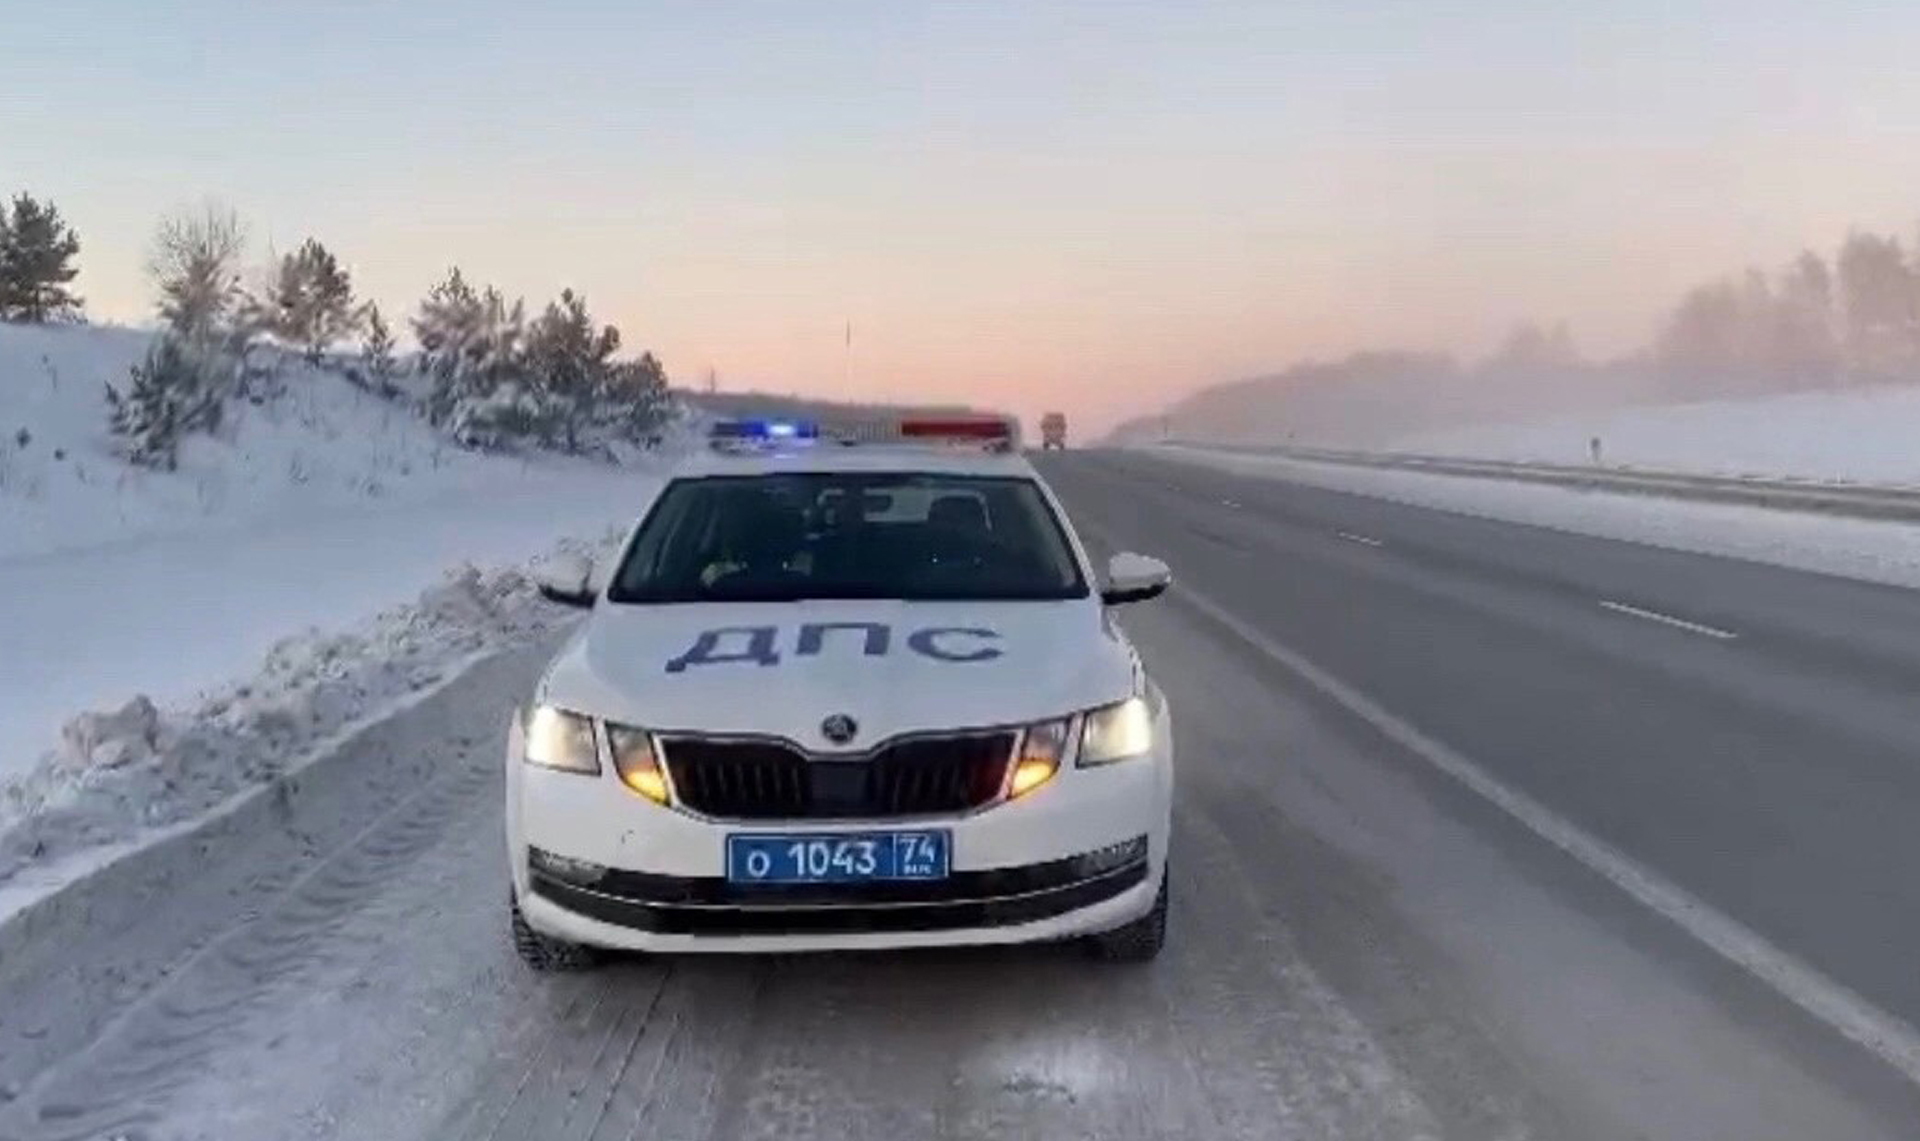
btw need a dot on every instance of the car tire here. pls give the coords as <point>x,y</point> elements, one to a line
<point>1139,941</point>
<point>544,953</point>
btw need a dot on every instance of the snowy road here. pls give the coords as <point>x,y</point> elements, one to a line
<point>1361,948</point>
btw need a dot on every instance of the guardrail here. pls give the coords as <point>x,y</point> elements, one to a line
<point>1853,500</point>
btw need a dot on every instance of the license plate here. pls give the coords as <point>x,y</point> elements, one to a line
<point>821,857</point>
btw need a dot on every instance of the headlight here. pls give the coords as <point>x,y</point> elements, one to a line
<point>556,739</point>
<point>1042,747</point>
<point>1116,733</point>
<point>633,759</point>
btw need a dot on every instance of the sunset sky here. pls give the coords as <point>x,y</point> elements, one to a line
<point>1092,206</point>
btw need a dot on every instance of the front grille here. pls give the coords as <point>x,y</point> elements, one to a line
<point>771,780</point>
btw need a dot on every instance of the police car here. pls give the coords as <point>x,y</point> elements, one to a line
<point>840,694</point>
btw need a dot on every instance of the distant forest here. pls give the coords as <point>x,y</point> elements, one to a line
<point>1817,322</point>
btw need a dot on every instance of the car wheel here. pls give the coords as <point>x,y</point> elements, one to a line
<point>1139,941</point>
<point>544,952</point>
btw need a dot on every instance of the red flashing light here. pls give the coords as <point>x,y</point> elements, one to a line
<point>956,429</point>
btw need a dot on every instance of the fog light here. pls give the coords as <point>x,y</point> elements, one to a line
<point>1041,748</point>
<point>633,759</point>
<point>648,783</point>
<point>564,868</point>
<point>1031,773</point>
<point>1102,860</point>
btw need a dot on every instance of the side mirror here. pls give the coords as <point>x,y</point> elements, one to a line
<point>567,580</point>
<point>1134,578</point>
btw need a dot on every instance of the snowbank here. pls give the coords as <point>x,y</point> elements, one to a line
<point>172,616</point>
<point>122,773</point>
<point>1871,550</point>
<point>1869,435</point>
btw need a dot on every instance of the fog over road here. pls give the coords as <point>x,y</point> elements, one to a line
<point>1364,945</point>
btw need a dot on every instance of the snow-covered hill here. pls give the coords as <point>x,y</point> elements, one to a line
<point>1868,434</point>
<point>318,444</point>
<point>313,509</point>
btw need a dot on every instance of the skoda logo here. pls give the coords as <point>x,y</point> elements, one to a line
<point>839,728</point>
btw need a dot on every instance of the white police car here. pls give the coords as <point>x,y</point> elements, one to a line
<point>844,697</point>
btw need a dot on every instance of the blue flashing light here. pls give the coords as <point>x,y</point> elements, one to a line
<point>750,432</point>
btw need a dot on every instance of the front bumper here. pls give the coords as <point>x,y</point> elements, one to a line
<point>1083,854</point>
<point>582,915</point>
<point>713,907</point>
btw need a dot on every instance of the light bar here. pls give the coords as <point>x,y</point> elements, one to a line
<point>995,433</point>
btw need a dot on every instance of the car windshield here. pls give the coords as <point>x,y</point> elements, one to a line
<point>910,536</point>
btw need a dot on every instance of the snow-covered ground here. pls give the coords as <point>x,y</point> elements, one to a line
<point>1869,434</point>
<point>277,542</point>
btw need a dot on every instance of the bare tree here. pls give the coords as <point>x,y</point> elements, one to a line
<point>194,264</point>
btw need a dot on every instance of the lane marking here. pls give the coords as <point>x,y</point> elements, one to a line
<point>1668,620</point>
<point>1363,540</point>
<point>1228,503</point>
<point>1885,1036</point>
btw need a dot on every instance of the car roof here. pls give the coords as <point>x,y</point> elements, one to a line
<point>833,458</point>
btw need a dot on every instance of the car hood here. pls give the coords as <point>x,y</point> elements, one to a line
<point>894,667</point>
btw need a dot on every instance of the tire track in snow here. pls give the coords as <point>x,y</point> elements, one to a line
<point>123,1084</point>
<point>697,1032</point>
<point>1314,1069</point>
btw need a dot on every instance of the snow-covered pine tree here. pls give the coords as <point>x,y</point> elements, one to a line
<point>495,406</point>
<point>199,359</point>
<point>498,357</point>
<point>282,308</point>
<point>37,252</point>
<point>168,397</point>
<point>335,316</point>
<point>309,303</point>
<point>449,326</point>
<point>637,399</point>
<point>569,363</point>
<point>499,381</point>
<point>470,349</point>
<point>377,364</point>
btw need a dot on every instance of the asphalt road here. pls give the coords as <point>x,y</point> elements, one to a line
<point>1365,945</point>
